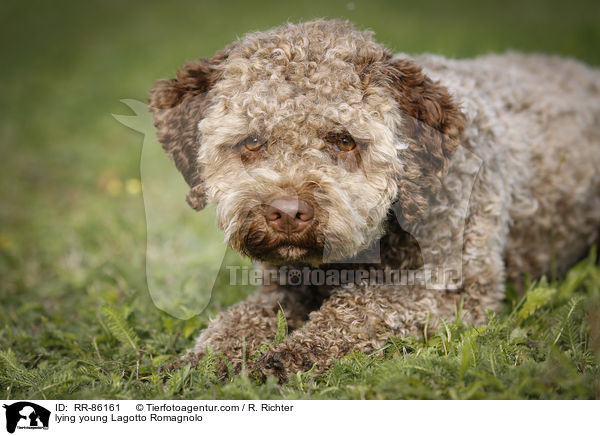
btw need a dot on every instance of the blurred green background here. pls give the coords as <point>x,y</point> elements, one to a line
<point>72,225</point>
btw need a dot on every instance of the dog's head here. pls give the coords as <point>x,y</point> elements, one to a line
<point>304,136</point>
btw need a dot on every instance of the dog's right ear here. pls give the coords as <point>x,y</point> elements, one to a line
<point>178,106</point>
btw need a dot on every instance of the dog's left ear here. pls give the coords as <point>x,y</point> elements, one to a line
<point>178,105</point>
<point>432,125</point>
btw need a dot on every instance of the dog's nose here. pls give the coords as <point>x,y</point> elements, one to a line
<point>288,214</point>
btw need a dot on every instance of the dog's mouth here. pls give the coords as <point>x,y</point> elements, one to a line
<point>285,252</point>
<point>266,246</point>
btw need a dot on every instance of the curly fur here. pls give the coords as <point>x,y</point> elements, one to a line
<point>489,165</point>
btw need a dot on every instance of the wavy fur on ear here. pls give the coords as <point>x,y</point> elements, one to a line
<point>432,124</point>
<point>178,105</point>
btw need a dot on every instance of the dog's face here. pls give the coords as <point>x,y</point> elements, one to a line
<point>304,136</point>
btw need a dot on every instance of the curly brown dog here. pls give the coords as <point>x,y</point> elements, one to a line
<point>432,181</point>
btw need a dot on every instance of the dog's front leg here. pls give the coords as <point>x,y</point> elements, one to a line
<point>357,317</point>
<point>238,332</point>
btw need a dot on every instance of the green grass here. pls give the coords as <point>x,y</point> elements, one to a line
<point>546,345</point>
<point>76,317</point>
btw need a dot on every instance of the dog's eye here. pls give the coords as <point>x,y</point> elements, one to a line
<point>343,143</point>
<point>252,143</point>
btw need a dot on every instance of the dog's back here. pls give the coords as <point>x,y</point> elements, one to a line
<point>535,122</point>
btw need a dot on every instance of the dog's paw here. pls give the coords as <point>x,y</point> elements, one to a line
<point>282,361</point>
<point>221,366</point>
